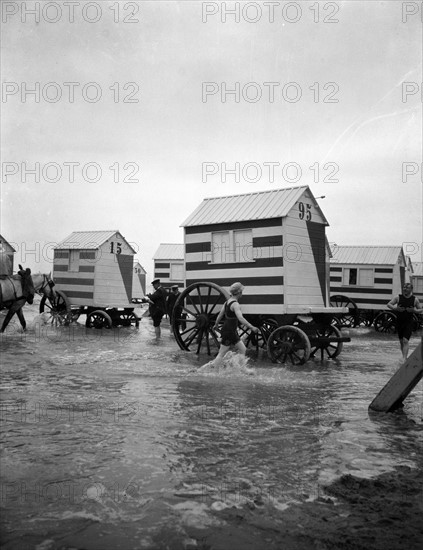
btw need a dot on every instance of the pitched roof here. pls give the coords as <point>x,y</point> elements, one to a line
<point>139,266</point>
<point>88,240</point>
<point>382,255</point>
<point>249,206</point>
<point>169,251</point>
<point>3,240</point>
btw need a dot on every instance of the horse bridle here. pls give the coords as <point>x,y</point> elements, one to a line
<point>46,282</point>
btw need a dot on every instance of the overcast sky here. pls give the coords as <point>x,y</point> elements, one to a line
<point>334,85</point>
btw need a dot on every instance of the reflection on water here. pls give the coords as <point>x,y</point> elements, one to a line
<point>112,427</point>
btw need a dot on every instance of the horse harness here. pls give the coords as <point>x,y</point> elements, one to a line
<point>17,298</point>
<point>46,282</point>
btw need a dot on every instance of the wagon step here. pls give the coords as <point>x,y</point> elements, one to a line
<point>328,340</point>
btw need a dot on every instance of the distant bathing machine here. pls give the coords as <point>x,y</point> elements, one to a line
<point>7,253</point>
<point>369,275</point>
<point>169,264</point>
<point>95,268</point>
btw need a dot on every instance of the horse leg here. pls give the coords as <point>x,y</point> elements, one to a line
<point>14,308</point>
<point>6,321</point>
<point>21,318</point>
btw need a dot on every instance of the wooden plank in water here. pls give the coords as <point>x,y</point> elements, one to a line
<point>401,383</point>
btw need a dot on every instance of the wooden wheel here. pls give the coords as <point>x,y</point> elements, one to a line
<point>197,307</point>
<point>74,315</point>
<point>386,321</point>
<point>288,344</point>
<point>345,319</point>
<point>365,317</point>
<point>98,319</point>
<point>126,319</point>
<point>322,345</point>
<point>417,321</point>
<point>57,308</point>
<point>266,326</point>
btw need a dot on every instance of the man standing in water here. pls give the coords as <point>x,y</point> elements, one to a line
<point>157,306</point>
<point>405,305</point>
<point>231,310</point>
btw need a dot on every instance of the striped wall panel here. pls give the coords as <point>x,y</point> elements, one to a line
<point>366,297</point>
<point>262,271</point>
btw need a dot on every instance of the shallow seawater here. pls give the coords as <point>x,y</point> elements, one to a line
<point>112,427</point>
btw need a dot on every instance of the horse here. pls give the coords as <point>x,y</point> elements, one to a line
<point>18,289</point>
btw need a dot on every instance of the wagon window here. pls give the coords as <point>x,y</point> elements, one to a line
<point>232,246</point>
<point>220,247</point>
<point>365,277</point>
<point>350,276</point>
<point>177,272</point>
<point>243,246</point>
<point>73,260</point>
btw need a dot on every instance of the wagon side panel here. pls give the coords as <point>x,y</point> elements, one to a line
<point>250,252</point>
<point>74,274</point>
<point>138,281</point>
<point>170,272</point>
<point>114,275</point>
<point>305,256</point>
<point>370,286</point>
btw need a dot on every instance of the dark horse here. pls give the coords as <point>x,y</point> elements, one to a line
<point>17,290</point>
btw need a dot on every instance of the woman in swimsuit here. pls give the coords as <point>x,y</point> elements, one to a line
<point>231,310</point>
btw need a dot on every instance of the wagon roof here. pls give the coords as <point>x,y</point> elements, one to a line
<point>89,240</point>
<point>137,264</point>
<point>3,240</point>
<point>249,206</point>
<point>169,251</point>
<point>380,255</point>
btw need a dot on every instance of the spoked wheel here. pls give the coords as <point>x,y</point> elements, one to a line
<point>74,315</point>
<point>57,308</point>
<point>365,317</point>
<point>126,319</point>
<point>349,319</point>
<point>386,321</point>
<point>198,306</point>
<point>98,319</point>
<point>266,326</point>
<point>321,344</point>
<point>288,344</point>
<point>417,321</point>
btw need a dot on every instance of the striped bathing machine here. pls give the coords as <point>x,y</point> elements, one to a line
<point>94,275</point>
<point>274,243</point>
<point>364,279</point>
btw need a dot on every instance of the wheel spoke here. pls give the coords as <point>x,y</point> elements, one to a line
<point>192,302</point>
<point>200,301</point>
<point>208,300</point>
<point>207,342</point>
<point>189,340</point>
<point>214,305</point>
<point>187,330</point>
<point>199,340</point>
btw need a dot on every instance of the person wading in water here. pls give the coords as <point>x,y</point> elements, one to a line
<point>231,311</point>
<point>405,305</point>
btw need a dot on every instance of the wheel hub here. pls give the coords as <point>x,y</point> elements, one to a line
<point>202,320</point>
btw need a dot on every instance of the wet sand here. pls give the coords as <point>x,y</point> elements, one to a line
<point>181,509</point>
<point>352,513</point>
<point>383,513</point>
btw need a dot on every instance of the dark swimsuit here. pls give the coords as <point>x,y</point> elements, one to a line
<point>404,318</point>
<point>229,330</point>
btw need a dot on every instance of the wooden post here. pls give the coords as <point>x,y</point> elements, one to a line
<point>401,383</point>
